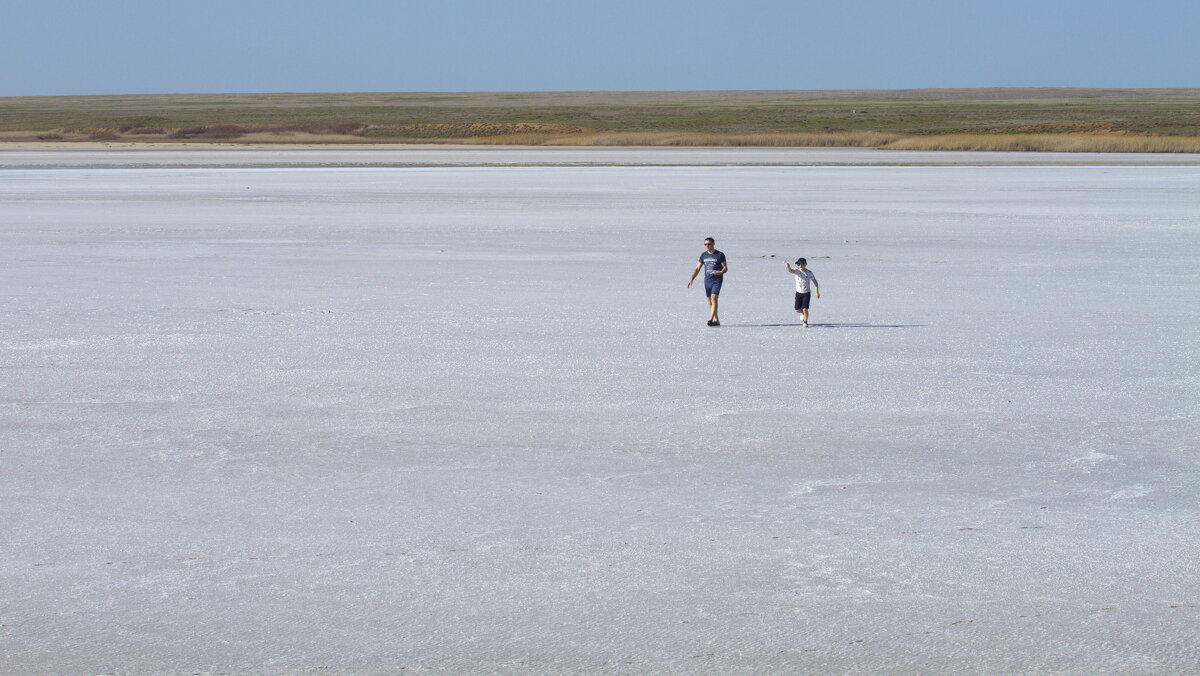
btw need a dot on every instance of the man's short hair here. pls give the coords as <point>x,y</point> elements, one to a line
<point>801,261</point>
<point>709,239</point>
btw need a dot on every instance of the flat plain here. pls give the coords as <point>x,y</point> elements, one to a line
<point>265,418</point>
<point>1076,119</point>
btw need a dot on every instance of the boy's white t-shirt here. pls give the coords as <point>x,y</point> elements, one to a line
<point>802,280</point>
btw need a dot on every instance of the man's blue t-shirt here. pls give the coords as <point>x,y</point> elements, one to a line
<point>711,261</point>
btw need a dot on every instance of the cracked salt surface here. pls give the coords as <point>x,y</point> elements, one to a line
<point>468,419</point>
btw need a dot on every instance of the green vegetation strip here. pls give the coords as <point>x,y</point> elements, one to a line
<point>919,118</point>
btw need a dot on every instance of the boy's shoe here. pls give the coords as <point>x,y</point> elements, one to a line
<point>806,325</point>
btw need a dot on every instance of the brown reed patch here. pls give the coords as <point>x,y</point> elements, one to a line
<point>1061,128</point>
<point>436,131</point>
<point>1062,143</point>
<point>692,139</point>
<point>320,128</point>
<point>235,131</point>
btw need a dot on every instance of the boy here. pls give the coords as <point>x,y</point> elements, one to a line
<point>804,280</point>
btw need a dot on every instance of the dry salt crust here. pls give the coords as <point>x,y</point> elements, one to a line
<point>468,419</point>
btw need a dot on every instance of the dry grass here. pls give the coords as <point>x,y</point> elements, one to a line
<point>729,116</point>
<point>1127,120</point>
<point>1065,143</point>
<point>693,139</point>
<point>528,134</point>
<point>1076,120</point>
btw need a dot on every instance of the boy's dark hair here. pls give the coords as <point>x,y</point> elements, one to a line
<point>801,261</point>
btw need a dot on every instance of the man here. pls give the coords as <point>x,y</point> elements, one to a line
<point>715,267</point>
<point>806,283</point>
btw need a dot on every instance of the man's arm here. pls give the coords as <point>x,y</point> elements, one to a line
<point>724,268</point>
<point>694,271</point>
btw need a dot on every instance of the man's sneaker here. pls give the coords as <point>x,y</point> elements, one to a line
<point>710,322</point>
<point>715,323</point>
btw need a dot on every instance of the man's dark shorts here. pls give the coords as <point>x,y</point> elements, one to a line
<point>712,286</point>
<point>802,300</point>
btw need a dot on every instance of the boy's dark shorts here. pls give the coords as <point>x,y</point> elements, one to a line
<point>802,300</point>
<point>712,286</point>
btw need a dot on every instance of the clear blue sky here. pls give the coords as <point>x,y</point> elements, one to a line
<point>134,47</point>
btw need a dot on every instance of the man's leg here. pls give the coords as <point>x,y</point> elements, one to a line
<point>712,303</point>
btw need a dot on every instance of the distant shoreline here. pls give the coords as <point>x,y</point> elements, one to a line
<point>94,146</point>
<point>89,156</point>
<point>1005,119</point>
<point>147,147</point>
